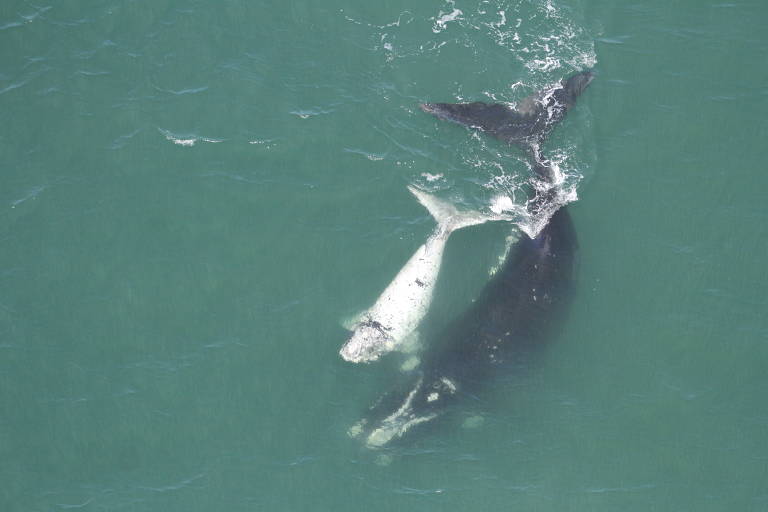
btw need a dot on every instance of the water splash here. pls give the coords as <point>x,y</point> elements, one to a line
<point>187,140</point>
<point>550,46</point>
<point>442,19</point>
<point>546,43</point>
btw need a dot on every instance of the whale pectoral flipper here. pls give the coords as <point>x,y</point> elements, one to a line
<point>411,343</point>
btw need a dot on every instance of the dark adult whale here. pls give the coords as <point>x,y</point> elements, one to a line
<point>516,311</point>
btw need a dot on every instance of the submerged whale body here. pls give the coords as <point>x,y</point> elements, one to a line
<point>516,311</point>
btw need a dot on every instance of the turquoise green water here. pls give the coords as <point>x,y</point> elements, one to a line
<point>195,194</point>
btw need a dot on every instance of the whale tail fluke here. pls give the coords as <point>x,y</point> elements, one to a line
<point>448,217</point>
<point>529,122</point>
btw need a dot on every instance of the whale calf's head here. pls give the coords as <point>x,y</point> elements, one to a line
<point>368,342</point>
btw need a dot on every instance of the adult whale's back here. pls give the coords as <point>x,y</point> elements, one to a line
<point>516,312</point>
<point>518,308</point>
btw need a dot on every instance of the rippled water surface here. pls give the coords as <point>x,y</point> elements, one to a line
<point>195,196</point>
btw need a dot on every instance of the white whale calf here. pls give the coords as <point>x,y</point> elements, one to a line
<point>392,320</point>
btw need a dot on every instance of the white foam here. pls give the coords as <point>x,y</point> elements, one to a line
<point>374,157</point>
<point>432,177</point>
<point>443,18</point>
<point>182,142</point>
<point>267,143</point>
<point>503,20</point>
<point>509,186</point>
<point>187,140</point>
<point>502,203</point>
<point>306,113</point>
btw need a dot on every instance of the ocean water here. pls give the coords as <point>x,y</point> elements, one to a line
<point>194,195</point>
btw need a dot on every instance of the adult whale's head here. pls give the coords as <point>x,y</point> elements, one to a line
<point>418,399</point>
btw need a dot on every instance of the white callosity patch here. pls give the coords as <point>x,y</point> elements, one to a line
<point>448,384</point>
<point>386,433</point>
<point>386,326</point>
<point>405,418</point>
<point>399,422</point>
